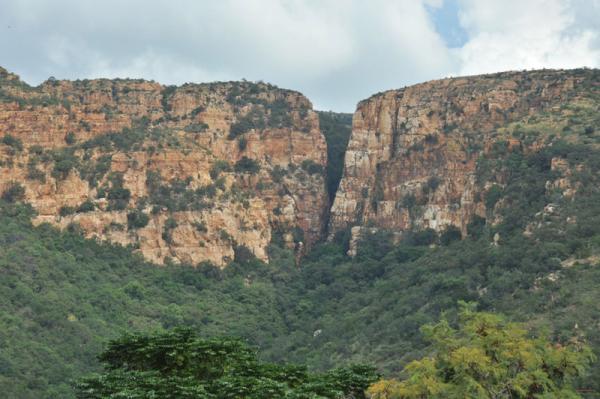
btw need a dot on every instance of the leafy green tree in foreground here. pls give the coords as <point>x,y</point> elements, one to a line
<point>179,364</point>
<point>488,357</point>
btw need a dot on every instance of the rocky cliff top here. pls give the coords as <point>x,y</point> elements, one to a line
<point>217,171</point>
<point>190,173</point>
<point>416,155</point>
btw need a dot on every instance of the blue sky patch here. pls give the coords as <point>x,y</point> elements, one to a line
<point>447,24</point>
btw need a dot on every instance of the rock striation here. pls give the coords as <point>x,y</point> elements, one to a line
<point>194,173</point>
<point>219,171</point>
<point>415,155</point>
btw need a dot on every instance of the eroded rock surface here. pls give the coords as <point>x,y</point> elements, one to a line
<point>415,154</point>
<point>189,173</point>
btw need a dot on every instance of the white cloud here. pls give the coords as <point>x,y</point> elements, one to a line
<point>517,34</point>
<point>335,51</point>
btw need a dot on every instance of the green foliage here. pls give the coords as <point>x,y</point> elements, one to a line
<point>263,114</point>
<point>409,201</point>
<point>66,210</point>
<point>247,165</point>
<point>117,195</point>
<point>242,254</point>
<point>242,143</point>
<point>137,219</point>
<point>176,195</point>
<point>254,119</point>
<point>218,167</point>
<point>167,233</point>
<point>65,160</point>
<point>14,192</point>
<point>278,173</point>
<point>196,128</point>
<point>36,149</point>
<point>94,170</point>
<point>450,234</point>
<point>336,128</point>
<point>476,227</point>
<point>492,196</point>
<point>180,364</point>
<point>312,168</point>
<point>86,206</point>
<point>13,142</point>
<point>70,138</point>
<point>201,227</point>
<point>432,184</point>
<point>488,357</point>
<point>33,173</point>
<point>167,93</point>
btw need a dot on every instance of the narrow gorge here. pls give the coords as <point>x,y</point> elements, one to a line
<point>207,172</point>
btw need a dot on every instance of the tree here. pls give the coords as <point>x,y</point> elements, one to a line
<point>14,192</point>
<point>179,364</point>
<point>488,357</point>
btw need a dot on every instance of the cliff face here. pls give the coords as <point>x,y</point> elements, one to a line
<point>209,172</point>
<point>416,156</point>
<point>193,173</point>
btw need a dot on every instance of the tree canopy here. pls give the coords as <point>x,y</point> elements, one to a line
<point>179,364</point>
<point>488,357</point>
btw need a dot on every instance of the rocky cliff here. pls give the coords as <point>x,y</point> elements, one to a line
<point>211,172</point>
<point>192,173</point>
<point>422,157</point>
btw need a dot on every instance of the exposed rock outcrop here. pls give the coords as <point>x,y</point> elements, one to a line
<point>187,173</point>
<point>412,159</point>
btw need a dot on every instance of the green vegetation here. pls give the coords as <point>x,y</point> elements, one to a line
<point>13,142</point>
<point>177,195</point>
<point>263,114</point>
<point>254,119</point>
<point>247,165</point>
<point>196,128</point>
<point>487,357</point>
<point>14,192</point>
<point>64,160</point>
<point>180,364</point>
<point>218,167</point>
<point>167,233</point>
<point>117,195</point>
<point>63,296</point>
<point>312,168</point>
<point>336,128</point>
<point>137,219</point>
<point>70,138</point>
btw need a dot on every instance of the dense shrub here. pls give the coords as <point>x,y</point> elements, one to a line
<point>450,234</point>
<point>137,220</point>
<point>218,167</point>
<point>312,168</point>
<point>247,165</point>
<point>13,142</point>
<point>14,192</point>
<point>196,128</point>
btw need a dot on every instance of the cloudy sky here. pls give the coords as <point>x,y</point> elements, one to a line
<point>337,52</point>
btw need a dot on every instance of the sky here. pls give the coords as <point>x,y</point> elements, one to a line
<point>336,52</point>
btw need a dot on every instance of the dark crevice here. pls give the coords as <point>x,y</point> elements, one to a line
<point>336,127</point>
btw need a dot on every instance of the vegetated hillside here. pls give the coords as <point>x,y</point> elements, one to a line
<point>64,296</point>
<point>185,173</point>
<point>531,250</point>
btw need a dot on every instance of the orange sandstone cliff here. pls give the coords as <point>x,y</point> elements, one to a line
<point>212,172</point>
<point>416,156</point>
<point>193,173</point>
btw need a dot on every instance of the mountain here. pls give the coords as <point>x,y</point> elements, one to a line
<point>423,156</point>
<point>186,173</point>
<point>483,189</point>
